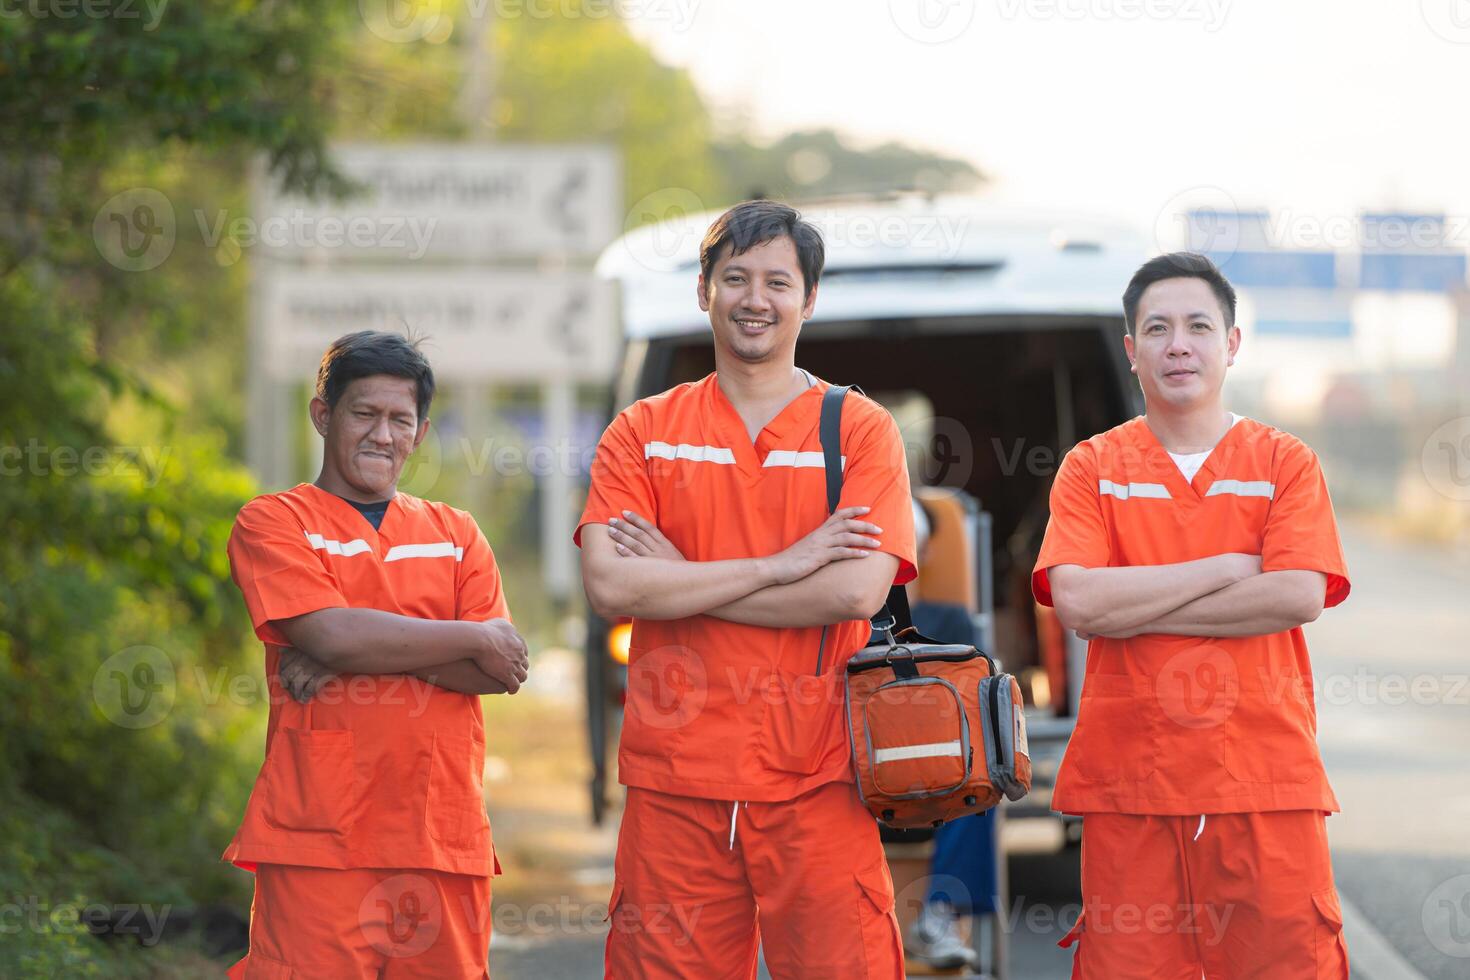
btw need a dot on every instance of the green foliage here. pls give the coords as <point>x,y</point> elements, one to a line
<point>115,499</point>
<point>819,163</point>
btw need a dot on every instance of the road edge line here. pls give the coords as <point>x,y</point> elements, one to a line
<point>1372,957</point>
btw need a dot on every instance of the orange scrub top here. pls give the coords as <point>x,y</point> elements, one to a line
<point>377,770</point>
<point>1180,725</point>
<point>722,710</point>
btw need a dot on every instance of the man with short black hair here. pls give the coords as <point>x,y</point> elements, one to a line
<point>707,525</point>
<point>1189,546</point>
<point>383,620</point>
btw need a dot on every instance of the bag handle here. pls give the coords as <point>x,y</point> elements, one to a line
<point>894,617</point>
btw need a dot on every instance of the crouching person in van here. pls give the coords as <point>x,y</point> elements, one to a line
<point>707,524</point>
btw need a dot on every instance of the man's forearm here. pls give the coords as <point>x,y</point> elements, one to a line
<point>1271,602</point>
<point>1108,601</point>
<point>460,675</point>
<point>822,598</point>
<point>371,641</point>
<point>660,588</point>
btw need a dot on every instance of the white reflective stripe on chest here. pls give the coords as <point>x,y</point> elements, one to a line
<point>438,549</point>
<point>356,546</point>
<point>1125,490</point>
<point>697,454</point>
<point>1243,488</point>
<point>791,457</point>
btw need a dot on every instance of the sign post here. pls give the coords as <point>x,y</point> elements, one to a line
<point>485,248</point>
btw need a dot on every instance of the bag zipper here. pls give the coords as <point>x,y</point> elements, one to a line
<point>995,713</point>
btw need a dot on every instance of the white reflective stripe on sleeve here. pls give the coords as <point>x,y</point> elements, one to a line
<point>698,454</point>
<point>1125,490</point>
<point>928,750</point>
<point>439,549</point>
<point>790,457</point>
<point>356,546</point>
<point>1243,488</point>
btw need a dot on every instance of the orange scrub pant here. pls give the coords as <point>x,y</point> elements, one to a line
<point>309,923</point>
<point>1228,896</point>
<point>701,883</point>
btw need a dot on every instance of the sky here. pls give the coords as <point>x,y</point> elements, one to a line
<point>1312,108</point>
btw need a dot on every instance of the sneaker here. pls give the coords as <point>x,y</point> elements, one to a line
<point>934,940</point>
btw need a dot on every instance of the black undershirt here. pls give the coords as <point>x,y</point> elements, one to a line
<point>373,513</point>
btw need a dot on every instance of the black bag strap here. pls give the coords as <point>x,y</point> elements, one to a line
<point>829,430</point>
<point>894,617</point>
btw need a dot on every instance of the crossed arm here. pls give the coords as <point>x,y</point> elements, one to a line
<point>830,576</point>
<point>469,657</point>
<point>1223,595</point>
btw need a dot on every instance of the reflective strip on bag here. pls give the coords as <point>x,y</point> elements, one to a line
<point>929,750</point>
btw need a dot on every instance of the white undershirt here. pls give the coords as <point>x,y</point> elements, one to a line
<point>1189,463</point>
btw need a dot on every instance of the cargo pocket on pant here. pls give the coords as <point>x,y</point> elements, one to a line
<point>455,806</point>
<point>882,945</point>
<point>310,780</point>
<point>1332,958</point>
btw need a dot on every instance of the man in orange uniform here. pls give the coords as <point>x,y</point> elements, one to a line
<point>1190,545</point>
<point>366,829</point>
<point>707,524</point>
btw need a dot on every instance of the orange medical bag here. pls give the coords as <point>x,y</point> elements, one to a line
<point>936,730</point>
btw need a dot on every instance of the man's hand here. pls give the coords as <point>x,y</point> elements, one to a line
<point>635,535</point>
<point>841,536</point>
<point>301,675</point>
<point>504,656</point>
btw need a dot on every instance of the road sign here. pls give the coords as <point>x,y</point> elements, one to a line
<point>1320,314</point>
<point>452,201</point>
<point>481,325</point>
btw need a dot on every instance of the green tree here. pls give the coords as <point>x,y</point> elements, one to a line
<point>115,505</point>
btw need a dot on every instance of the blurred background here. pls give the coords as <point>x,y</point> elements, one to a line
<point>195,198</point>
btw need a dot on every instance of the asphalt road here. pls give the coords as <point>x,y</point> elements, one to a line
<point>1392,674</point>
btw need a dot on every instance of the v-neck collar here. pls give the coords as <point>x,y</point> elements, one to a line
<point>794,418</point>
<point>395,505</point>
<point>1216,461</point>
